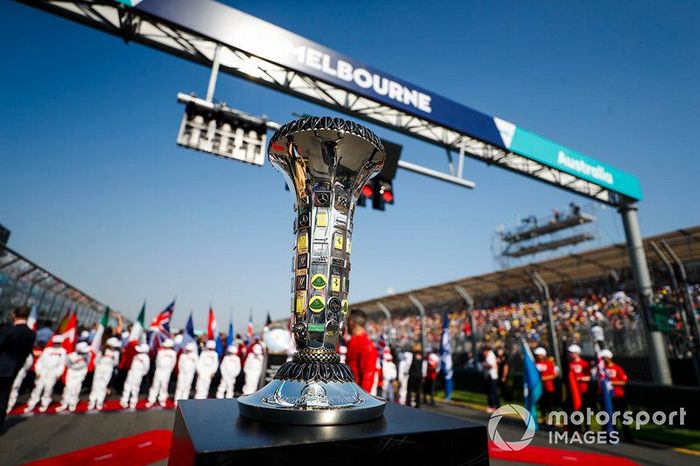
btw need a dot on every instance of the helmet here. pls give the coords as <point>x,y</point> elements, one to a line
<point>606,353</point>
<point>113,342</point>
<point>142,348</point>
<point>540,351</point>
<point>168,343</point>
<point>57,339</point>
<point>190,346</point>
<point>82,347</point>
<point>574,349</point>
<point>232,349</point>
<point>211,344</point>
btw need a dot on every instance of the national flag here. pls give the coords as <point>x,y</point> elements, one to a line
<point>213,332</point>
<point>229,336</point>
<point>574,392</point>
<point>188,334</point>
<point>532,386</point>
<point>159,329</point>
<point>69,333</point>
<point>96,345</point>
<point>61,327</point>
<point>249,333</point>
<point>31,320</point>
<point>446,356</point>
<point>606,390</point>
<point>137,330</point>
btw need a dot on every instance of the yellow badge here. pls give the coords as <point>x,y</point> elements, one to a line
<point>301,302</point>
<point>322,219</point>
<point>345,306</point>
<point>317,303</point>
<point>338,241</point>
<point>335,283</point>
<point>302,243</point>
<point>319,281</point>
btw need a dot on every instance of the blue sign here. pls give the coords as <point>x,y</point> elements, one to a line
<point>242,31</point>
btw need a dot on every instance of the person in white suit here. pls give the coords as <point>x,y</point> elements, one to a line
<point>389,374</point>
<point>230,368</point>
<point>165,363</point>
<point>186,366</point>
<point>17,384</point>
<point>132,385</point>
<point>404,366</point>
<point>77,368</point>
<point>49,367</point>
<point>253,368</point>
<point>207,365</point>
<point>105,362</point>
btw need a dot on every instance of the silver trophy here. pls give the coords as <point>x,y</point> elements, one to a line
<point>326,162</point>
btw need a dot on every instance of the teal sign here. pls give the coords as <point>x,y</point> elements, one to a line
<point>567,160</point>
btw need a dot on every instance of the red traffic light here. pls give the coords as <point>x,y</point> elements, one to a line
<point>388,196</point>
<point>367,191</point>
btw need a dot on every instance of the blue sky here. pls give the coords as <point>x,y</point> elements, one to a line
<point>94,188</point>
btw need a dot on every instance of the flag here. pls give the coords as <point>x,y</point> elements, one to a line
<point>213,332</point>
<point>159,329</point>
<point>532,386</point>
<point>606,390</point>
<point>70,329</point>
<point>249,333</point>
<point>188,334</point>
<point>63,322</point>
<point>96,344</point>
<point>576,400</point>
<point>229,336</point>
<point>137,330</point>
<point>446,356</point>
<point>31,320</point>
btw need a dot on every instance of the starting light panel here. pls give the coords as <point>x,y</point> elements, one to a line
<point>219,130</point>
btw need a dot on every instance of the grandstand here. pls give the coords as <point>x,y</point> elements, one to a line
<point>601,270</point>
<point>23,282</point>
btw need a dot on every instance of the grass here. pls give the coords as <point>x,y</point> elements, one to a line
<point>674,436</point>
<point>465,397</point>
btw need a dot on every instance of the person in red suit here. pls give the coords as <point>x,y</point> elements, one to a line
<point>579,379</point>
<point>618,380</point>
<point>548,372</point>
<point>362,355</point>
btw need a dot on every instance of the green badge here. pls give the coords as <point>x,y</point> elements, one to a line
<point>316,327</point>
<point>317,304</point>
<point>319,281</point>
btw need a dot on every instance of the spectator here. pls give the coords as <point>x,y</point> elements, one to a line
<point>16,342</point>
<point>362,354</point>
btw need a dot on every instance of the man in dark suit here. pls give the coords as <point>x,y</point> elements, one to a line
<point>16,342</point>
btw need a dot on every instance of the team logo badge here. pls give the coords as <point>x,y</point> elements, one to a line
<point>302,243</point>
<point>332,327</point>
<point>338,241</point>
<point>316,327</point>
<point>322,219</point>
<point>301,282</point>
<point>317,304</point>
<point>303,220</point>
<point>335,283</point>
<point>334,304</point>
<point>323,199</point>
<point>345,306</point>
<point>301,302</point>
<point>319,281</point>
<point>303,261</point>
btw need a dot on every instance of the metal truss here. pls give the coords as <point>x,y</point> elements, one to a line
<point>132,25</point>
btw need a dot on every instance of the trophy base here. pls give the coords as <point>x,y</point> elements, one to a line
<point>311,403</point>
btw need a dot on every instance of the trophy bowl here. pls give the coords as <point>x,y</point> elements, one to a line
<point>326,162</point>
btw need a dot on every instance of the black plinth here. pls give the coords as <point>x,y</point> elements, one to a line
<point>210,432</point>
